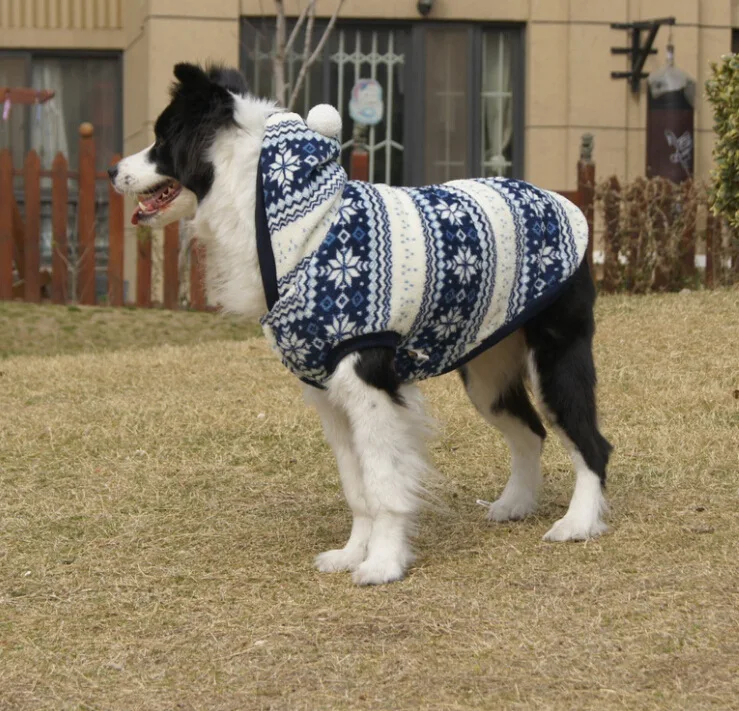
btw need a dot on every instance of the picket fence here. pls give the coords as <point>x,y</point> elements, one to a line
<point>21,275</point>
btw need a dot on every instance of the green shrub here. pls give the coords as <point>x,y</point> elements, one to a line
<point>723,93</point>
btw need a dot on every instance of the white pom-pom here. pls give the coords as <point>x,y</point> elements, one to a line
<point>324,119</point>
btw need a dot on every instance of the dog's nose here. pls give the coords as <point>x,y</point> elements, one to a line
<point>112,172</point>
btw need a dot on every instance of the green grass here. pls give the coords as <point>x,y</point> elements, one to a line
<point>162,502</point>
<point>28,330</point>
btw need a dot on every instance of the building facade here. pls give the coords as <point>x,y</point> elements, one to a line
<point>476,87</point>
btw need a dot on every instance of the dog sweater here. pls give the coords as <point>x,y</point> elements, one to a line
<point>438,274</point>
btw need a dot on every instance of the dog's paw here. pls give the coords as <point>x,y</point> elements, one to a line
<point>379,571</point>
<point>511,508</point>
<point>570,528</point>
<point>338,560</point>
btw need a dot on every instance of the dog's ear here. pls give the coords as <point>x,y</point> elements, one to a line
<point>230,79</point>
<point>190,74</point>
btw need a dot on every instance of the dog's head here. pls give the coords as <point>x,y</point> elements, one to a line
<point>175,173</point>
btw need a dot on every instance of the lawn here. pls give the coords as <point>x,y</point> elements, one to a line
<point>164,491</point>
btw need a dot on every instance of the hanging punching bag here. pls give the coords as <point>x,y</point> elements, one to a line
<point>670,122</point>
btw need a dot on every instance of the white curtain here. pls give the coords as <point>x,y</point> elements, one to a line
<point>48,127</point>
<point>497,103</point>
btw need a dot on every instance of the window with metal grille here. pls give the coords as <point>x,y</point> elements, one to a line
<point>453,94</point>
<point>88,88</point>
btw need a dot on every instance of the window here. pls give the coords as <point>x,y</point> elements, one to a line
<point>453,94</point>
<point>88,88</point>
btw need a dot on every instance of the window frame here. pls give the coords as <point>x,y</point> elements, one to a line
<point>415,82</point>
<point>29,55</point>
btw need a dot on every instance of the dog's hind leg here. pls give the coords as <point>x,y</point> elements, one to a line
<point>494,384</point>
<point>338,434</point>
<point>387,428</point>
<point>563,376</point>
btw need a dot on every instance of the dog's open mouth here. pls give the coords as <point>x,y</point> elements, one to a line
<point>156,200</point>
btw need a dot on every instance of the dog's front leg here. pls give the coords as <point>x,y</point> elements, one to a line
<point>386,430</point>
<point>338,433</point>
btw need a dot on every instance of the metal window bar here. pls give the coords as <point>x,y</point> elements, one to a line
<point>375,59</point>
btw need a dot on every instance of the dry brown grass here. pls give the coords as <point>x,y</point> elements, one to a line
<point>157,532</point>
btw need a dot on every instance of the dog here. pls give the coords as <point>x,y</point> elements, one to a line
<point>231,164</point>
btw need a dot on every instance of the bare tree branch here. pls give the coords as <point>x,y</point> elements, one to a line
<point>298,25</point>
<point>308,61</point>
<point>279,58</point>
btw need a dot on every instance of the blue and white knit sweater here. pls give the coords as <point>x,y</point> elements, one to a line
<point>438,274</point>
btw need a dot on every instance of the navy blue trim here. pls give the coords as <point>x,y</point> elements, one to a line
<point>264,244</point>
<point>507,329</point>
<point>383,339</point>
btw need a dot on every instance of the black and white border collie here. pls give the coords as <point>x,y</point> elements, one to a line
<point>203,167</point>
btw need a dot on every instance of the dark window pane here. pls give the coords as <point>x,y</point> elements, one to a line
<point>447,105</point>
<point>13,131</point>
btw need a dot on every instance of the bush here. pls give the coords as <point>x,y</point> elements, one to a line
<point>723,93</point>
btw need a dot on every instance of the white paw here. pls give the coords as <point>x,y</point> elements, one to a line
<point>338,560</point>
<point>512,508</point>
<point>378,571</point>
<point>570,528</point>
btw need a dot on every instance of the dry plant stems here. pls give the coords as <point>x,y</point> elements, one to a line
<point>651,230</point>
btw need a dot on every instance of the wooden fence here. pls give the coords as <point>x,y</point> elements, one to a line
<point>22,276</point>
<point>20,239</point>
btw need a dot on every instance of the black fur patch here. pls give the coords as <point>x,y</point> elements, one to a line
<point>376,367</point>
<point>561,338</point>
<point>517,404</point>
<point>201,103</point>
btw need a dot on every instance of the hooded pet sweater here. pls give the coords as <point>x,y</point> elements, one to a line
<point>438,274</point>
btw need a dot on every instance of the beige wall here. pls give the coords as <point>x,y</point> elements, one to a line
<point>571,92</point>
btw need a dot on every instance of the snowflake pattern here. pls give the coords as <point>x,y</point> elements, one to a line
<point>343,268</point>
<point>464,265</point>
<point>341,327</point>
<point>293,348</point>
<point>546,257</point>
<point>451,212</point>
<point>347,210</point>
<point>284,168</point>
<point>448,323</point>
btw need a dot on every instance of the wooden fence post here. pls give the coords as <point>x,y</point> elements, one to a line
<point>59,227</point>
<point>143,267</point>
<point>197,265</point>
<point>32,257</point>
<point>86,217</point>
<point>6,224</point>
<point>115,243</point>
<point>586,188</point>
<point>611,235</point>
<point>171,266</point>
<point>19,239</point>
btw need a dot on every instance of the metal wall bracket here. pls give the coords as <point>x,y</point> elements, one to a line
<point>638,51</point>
